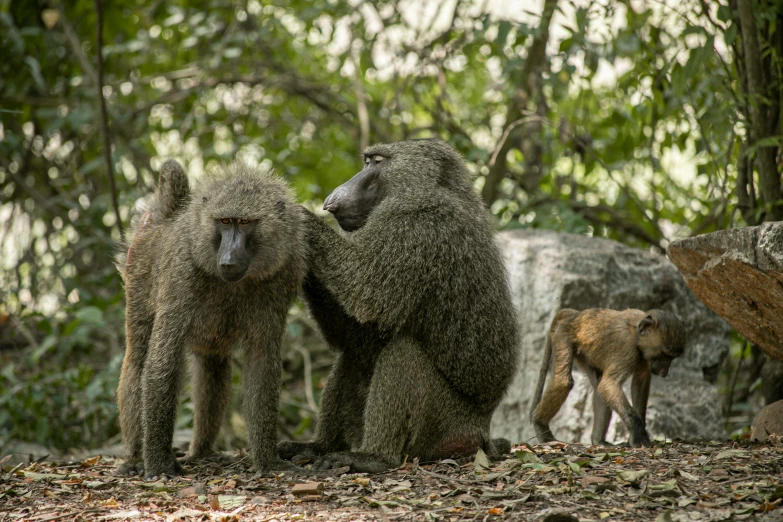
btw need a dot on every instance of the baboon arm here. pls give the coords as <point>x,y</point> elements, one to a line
<point>340,330</point>
<point>384,280</point>
<point>640,390</point>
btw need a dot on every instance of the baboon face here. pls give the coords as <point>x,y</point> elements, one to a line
<point>234,245</point>
<point>352,202</point>
<point>661,340</point>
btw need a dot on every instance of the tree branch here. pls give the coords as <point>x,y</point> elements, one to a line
<point>105,121</point>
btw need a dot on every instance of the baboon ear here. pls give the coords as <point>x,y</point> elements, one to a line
<point>205,199</point>
<point>280,206</point>
<point>646,324</point>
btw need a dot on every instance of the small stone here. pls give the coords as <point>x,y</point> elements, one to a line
<point>308,488</point>
<point>259,500</point>
<point>192,491</point>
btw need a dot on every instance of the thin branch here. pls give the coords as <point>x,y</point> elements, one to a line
<point>105,122</point>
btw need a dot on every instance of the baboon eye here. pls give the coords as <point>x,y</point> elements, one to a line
<point>377,158</point>
<point>226,221</point>
<point>244,221</point>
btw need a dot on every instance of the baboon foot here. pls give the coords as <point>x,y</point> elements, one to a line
<point>207,456</point>
<point>288,449</point>
<point>358,462</point>
<point>168,467</point>
<point>278,465</point>
<point>130,468</point>
<point>543,433</point>
<point>641,439</point>
<point>502,446</point>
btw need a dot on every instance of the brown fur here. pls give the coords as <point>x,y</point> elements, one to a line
<point>176,303</point>
<point>609,346</point>
<point>768,422</point>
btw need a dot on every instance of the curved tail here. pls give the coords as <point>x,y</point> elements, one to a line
<point>545,362</point>
<point>171,196</point>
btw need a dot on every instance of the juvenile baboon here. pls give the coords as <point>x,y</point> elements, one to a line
<point>415,301</point>
<point>609,346</point>
<point>205,271</point>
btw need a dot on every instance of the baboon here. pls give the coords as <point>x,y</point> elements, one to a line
<point>415,300</point>
<point>204,271</point>
<point>609,346</point>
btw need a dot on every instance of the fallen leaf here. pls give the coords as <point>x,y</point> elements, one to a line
<point>481,462</point>
<point>495,511</point>
<point>231,501</point>
<point>362,481</point>
<point>42,476</point>
<point>632,476</point>
<point>88,463</point>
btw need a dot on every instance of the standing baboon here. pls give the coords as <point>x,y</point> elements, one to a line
<point>204,271</point>
<point>609,346</point>
<point>415,300</point>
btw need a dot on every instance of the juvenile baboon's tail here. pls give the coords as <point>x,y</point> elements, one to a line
<point>171,196</point>
<point>545,362</point>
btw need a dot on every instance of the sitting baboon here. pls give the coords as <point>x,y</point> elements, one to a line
<point>205,271</point>
<point>609,346</point>
<point>416,302</point>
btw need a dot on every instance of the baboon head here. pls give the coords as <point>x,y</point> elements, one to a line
<point>396,173</point>
<point>661,340</point>
<point>244,223</point>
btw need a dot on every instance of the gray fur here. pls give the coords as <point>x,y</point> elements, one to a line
<point>176,303</point>
<point>416,303</point>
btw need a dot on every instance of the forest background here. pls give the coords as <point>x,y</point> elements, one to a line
<point>639,121</point>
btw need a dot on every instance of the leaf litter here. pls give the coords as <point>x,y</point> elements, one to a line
<point>671,482</point>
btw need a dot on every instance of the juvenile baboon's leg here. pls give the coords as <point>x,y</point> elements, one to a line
<point>557,391</point>
<point>640,391</point>
<point>211,393</point>
<point>341,419</point>
<point>602,413</point>
<point>613,395</point>
<point>129,396</point>
<point>411,410</point>
<point>160,389</point>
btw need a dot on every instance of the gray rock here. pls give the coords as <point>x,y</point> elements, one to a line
<point>768,422</point>
<point>549,271</point>
<point>738,274</point>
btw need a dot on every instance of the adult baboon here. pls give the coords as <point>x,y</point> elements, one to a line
<point>205,271</point>
<point>609,346</point>
<point>415,300</point>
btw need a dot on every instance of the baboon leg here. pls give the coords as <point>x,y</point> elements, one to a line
<point>613,395</point>
<point>261,398</point>
<point>411,410</point>
<point>211,394</point>
<point>160,391</point>
<point>341,419</point>
<point>602,413</point>
<point>640,390</point>
<point>556,391</point>
<point>129,396</point>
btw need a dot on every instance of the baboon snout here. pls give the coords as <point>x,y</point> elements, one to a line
<point>233,257</point>
<point>660,368</point>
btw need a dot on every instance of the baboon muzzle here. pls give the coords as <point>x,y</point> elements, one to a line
<point>233,257</point>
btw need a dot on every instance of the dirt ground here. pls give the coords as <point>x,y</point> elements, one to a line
<point>555,482</point>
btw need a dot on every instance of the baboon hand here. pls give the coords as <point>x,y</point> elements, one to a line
<point>165,467</point>
<point>358,462</point>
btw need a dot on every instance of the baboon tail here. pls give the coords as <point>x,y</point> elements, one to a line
<point>172,195</point>
<point>545,362</point>
<point>173,190</point>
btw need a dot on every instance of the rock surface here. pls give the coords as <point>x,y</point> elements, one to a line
<point>549,271</point>
<point>738,274</point>
<point>769,421</point>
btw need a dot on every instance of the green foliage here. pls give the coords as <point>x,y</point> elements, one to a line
<point>629,130</point>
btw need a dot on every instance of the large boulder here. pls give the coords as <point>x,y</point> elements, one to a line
<point>769,422</point>
<point>738,274</point>
<point>549,271</point>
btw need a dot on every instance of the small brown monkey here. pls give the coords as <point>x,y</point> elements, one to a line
<point>609,346</point>
<point>206,270</point>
